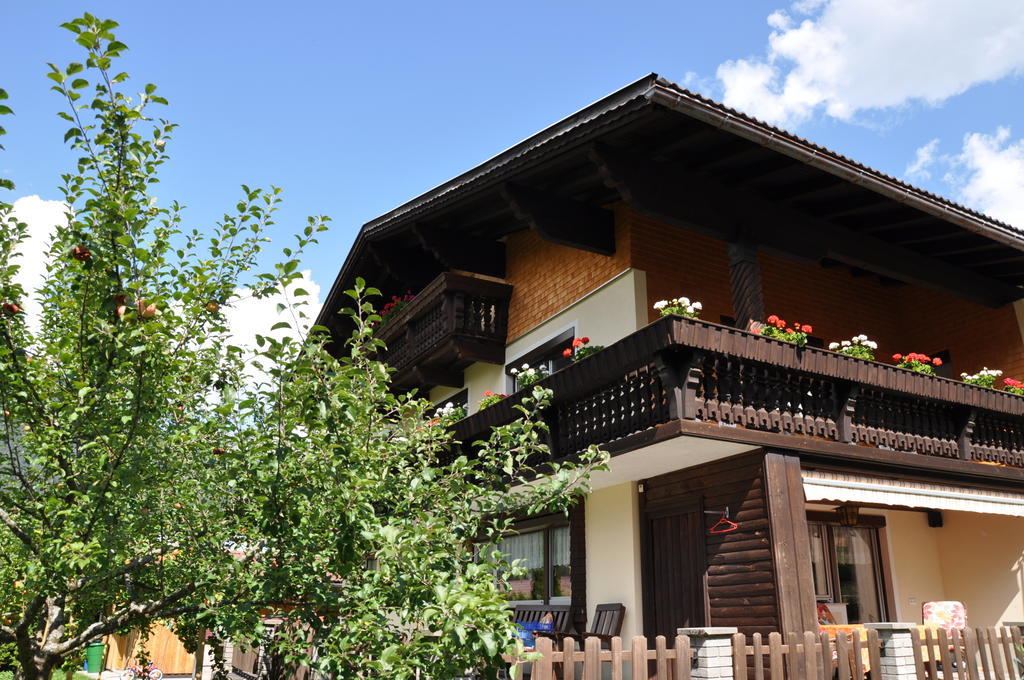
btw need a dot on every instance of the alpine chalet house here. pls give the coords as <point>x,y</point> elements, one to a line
<point>754,481</point>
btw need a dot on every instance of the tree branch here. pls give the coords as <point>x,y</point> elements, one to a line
<point>157,609</point>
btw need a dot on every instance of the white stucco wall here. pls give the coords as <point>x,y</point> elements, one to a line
<point>613,553</point>
<point>605,315</point>
<point>973,558</point>
<point>916,569</point>
<point>982,558</point>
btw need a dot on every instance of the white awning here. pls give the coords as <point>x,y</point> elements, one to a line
<point>845,488</point>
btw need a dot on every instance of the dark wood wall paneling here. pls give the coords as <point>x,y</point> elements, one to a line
<point>740,576</point>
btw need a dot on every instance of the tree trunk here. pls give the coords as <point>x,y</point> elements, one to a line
<point>33,663</point>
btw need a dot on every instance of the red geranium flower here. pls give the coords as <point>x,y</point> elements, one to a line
<point>772,319</point>
<point>780,324</point>
<point>937,361</point>
<point>807,329</point>
<point>578,342</point>
<point>488,393</point>
<point>567,352</point>
<point>585,340</point>
<point>897,357</point>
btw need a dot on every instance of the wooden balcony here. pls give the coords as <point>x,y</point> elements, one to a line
<point>682,376</point>
<point>453,322</point>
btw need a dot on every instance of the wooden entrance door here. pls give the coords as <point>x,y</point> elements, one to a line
<point>674,568</point>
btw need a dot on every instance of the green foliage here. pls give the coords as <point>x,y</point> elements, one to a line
<point>152,469</point>
<point>8,657</point>
<point>489,399</point>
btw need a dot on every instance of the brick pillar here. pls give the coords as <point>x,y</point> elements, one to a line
<point>712,652</point>
<point>897,650</point>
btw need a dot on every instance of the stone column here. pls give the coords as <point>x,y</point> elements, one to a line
<point>897,650</point>
<point>712,652</point>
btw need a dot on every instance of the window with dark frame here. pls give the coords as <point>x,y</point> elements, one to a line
<point>846,567</point>
<point>542,546</point>
<point>548,356</point>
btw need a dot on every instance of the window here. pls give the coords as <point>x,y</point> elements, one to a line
<point>543,547</point>
<point>547,356</point>
<point>846,565</point>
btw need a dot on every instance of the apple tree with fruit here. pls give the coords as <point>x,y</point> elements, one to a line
<point>152,468</point>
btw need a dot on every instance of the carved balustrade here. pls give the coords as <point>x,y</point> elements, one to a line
<point>698,372</point>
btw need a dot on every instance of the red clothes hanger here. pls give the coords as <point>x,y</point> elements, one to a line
<point>724,525</point>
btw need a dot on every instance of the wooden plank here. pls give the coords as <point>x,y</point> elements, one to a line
<point>568,659</point>
<point>946,657</point>
<point>775,662</point>
<point>616,649</point>
<point>542,667</point>
<point>591,659</point>
<point>739,655</point>
<point>843,657</point>
<point>638,657</point>
<point>825,663</point>
<point>857,662</point>
<point>790,543</point>
<point>967,652</point>
<point>874,649</point>
<point>681,666</point>
<point>661,657</point>
<point>931,640</point>
<point>915,637</point>
<point>1012,672</point>
<point>983,649</point>
<point>794,666</point>
<point>811,670</point>
<point>758,650</point>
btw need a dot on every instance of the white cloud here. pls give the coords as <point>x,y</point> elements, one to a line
<point>849,56</point>
<point>923,159</point>
<point>248,316</point>
<point>42,218</point>
<point>988,174</point>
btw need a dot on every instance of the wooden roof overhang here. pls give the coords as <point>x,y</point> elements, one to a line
<point>675,156</point>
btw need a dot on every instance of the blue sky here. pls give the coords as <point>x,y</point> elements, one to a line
<point>354,108</point>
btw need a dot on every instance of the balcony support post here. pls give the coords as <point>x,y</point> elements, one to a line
<point>846,402</point>
<point>680,375</point>
<point>966,432</point>
<point>745,283</point>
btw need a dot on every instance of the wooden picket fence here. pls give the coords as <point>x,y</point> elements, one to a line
<point>979,654</point>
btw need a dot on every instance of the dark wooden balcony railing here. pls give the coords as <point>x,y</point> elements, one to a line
<point>721,382</point>
<point>453,322</point>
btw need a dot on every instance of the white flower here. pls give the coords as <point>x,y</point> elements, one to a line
<point>872,344</point>
<point>531,371</point>
<point>685,302</point>
<point>526,366</point>
<point>845,343</point>
<point>514,371</point>
<point>661,304</point>
<point>697,305</point>
<point>833,346</point>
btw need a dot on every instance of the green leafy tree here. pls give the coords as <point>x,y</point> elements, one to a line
<point>150,469</point>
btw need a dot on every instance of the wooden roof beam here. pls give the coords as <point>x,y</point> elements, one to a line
<point>562,220</point>
<point>458,250</point>
<point>687,198</point>
<point>407,267</point>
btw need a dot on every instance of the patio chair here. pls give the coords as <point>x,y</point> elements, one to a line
<point>606,624</point>
<point>534,613</point>
<point>946,614</point>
